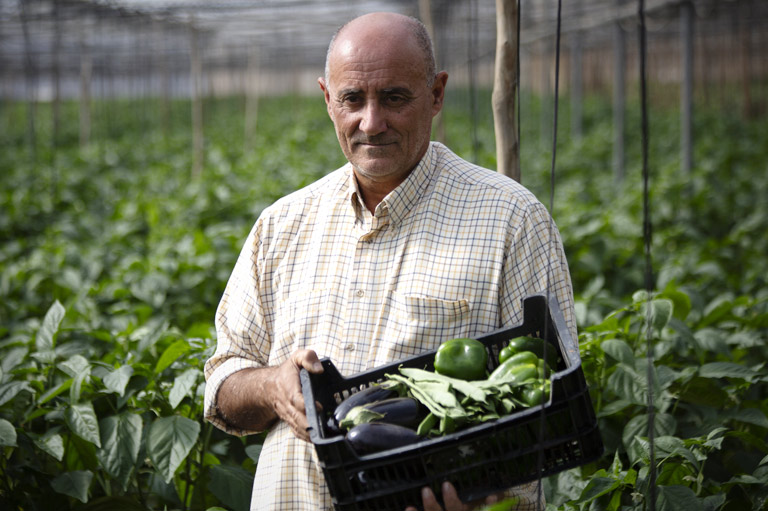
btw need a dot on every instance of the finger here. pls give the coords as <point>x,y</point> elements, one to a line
<point>429,501</point>
<point>451,498</point>
<point>494,498</point>
<point>308,360</point>
<point>298,423</point>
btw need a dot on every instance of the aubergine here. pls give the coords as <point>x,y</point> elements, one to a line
<point>365,396</point>
<point>378,436</point>
<point>403,411</point>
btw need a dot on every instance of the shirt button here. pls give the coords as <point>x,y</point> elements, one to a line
<point>359,293</point>
<point>349,347</point>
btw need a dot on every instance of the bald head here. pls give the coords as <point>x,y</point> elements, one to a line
<point>386,28</point>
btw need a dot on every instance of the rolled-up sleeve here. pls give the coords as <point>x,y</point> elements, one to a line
<point>242,338</point>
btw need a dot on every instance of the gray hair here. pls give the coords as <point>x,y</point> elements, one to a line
<point>418,30</point>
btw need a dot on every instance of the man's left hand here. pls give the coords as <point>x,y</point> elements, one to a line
<point>451,499</point>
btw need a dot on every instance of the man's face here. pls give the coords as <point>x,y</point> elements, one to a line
<point>381,106</point>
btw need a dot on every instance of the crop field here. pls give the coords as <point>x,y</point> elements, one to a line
<point>113,257</point>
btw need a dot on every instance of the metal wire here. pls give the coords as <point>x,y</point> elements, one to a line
<point>647,238</point>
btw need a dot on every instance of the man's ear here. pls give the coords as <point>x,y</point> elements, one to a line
<point>326,94</point>
<point>438,92</point>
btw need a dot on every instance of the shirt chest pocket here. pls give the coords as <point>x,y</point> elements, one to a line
<point>305,321</point>
<point>419,323</point>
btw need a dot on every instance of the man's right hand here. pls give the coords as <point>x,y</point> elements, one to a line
<point>254,399</point>
<point>284,390</point>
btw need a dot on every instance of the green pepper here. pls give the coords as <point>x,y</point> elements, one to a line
<point>536,393</point>
<point>514,372</point>
<point>462,358</point>
<point>524,357</point>
<point>533,345</point>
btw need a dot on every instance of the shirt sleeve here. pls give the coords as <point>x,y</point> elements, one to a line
<point>536,259</point>
<point>242,334</point>
<point>536,263</point>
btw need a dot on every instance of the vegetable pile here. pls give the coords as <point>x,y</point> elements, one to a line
<point>414,404</point>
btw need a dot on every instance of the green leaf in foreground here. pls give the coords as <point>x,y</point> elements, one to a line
<point>7,434</point>
<point>75,484</point>
<point>121,435</point>
<point>169,441</point>
<point>44,340</point>
<point>231,485</point>
<point>9,390</point>
<point>52,443</point>
<point>170,355</point>
<point>118,379</point>
<point>674,498</point>
<point>182,384</point>
<point>726,370</point>
<point>81,419</point>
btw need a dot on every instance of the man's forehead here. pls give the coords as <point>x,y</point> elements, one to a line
<point>381,91</point>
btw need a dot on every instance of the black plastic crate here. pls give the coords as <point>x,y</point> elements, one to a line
<point>479,460</point>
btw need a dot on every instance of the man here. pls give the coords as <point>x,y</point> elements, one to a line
<point>402,248</point>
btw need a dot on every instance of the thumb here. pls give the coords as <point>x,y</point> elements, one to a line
<point>308,360</point>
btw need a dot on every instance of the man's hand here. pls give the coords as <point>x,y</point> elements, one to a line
<point>451,499</point>
<point>284,390</point>
<point>253,399</point>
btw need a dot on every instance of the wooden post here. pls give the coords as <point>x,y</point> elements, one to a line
<point>252,92</point>
<point>619,80</point>
<point>31,81</point>
<point>686,86</point>
<point>86,66</point>
<point>505,86</point>
<point>577,90</point>
<point>745,43</point>
<point>56,76</point>
<point>196,71</point>
<point>425,13</point>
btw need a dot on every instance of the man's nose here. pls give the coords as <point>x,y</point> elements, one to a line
<point>373,119</point>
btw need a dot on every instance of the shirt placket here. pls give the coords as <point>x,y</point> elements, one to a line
<point>365,296</point>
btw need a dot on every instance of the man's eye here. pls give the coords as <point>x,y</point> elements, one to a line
<point>394,100</point>
<point>351,100</point>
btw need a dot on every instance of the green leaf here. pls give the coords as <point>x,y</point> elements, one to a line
<point>74,484</point>
<point>45,338</point>
<point>12,358</point>
<point>661,312</point>
<point>726,370</point>
<point>7,434</point>
<point>712,339</point>
<point>254,450</point>
<point>118,379</point>
<point>9,390</point>
<point>232,485</point>
<point>664,424</point>
<point>597,487</point>
<point>619,350</point>
<point>53,444</point>
<point>113,503</point>
<point>80,369</point>
<point>675,498</point>
<point>673,446</point>
<point>182,384</point>
<point>681,302</point>
<point>81,419</point>
<point>55,391</point>
<point>170,355</point>
<point>169,441</point>
<point>75,365</point>
<point>121,436</point>
<point>749,415</point>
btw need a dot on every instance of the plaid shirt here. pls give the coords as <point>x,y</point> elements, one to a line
<point>449,253</point>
